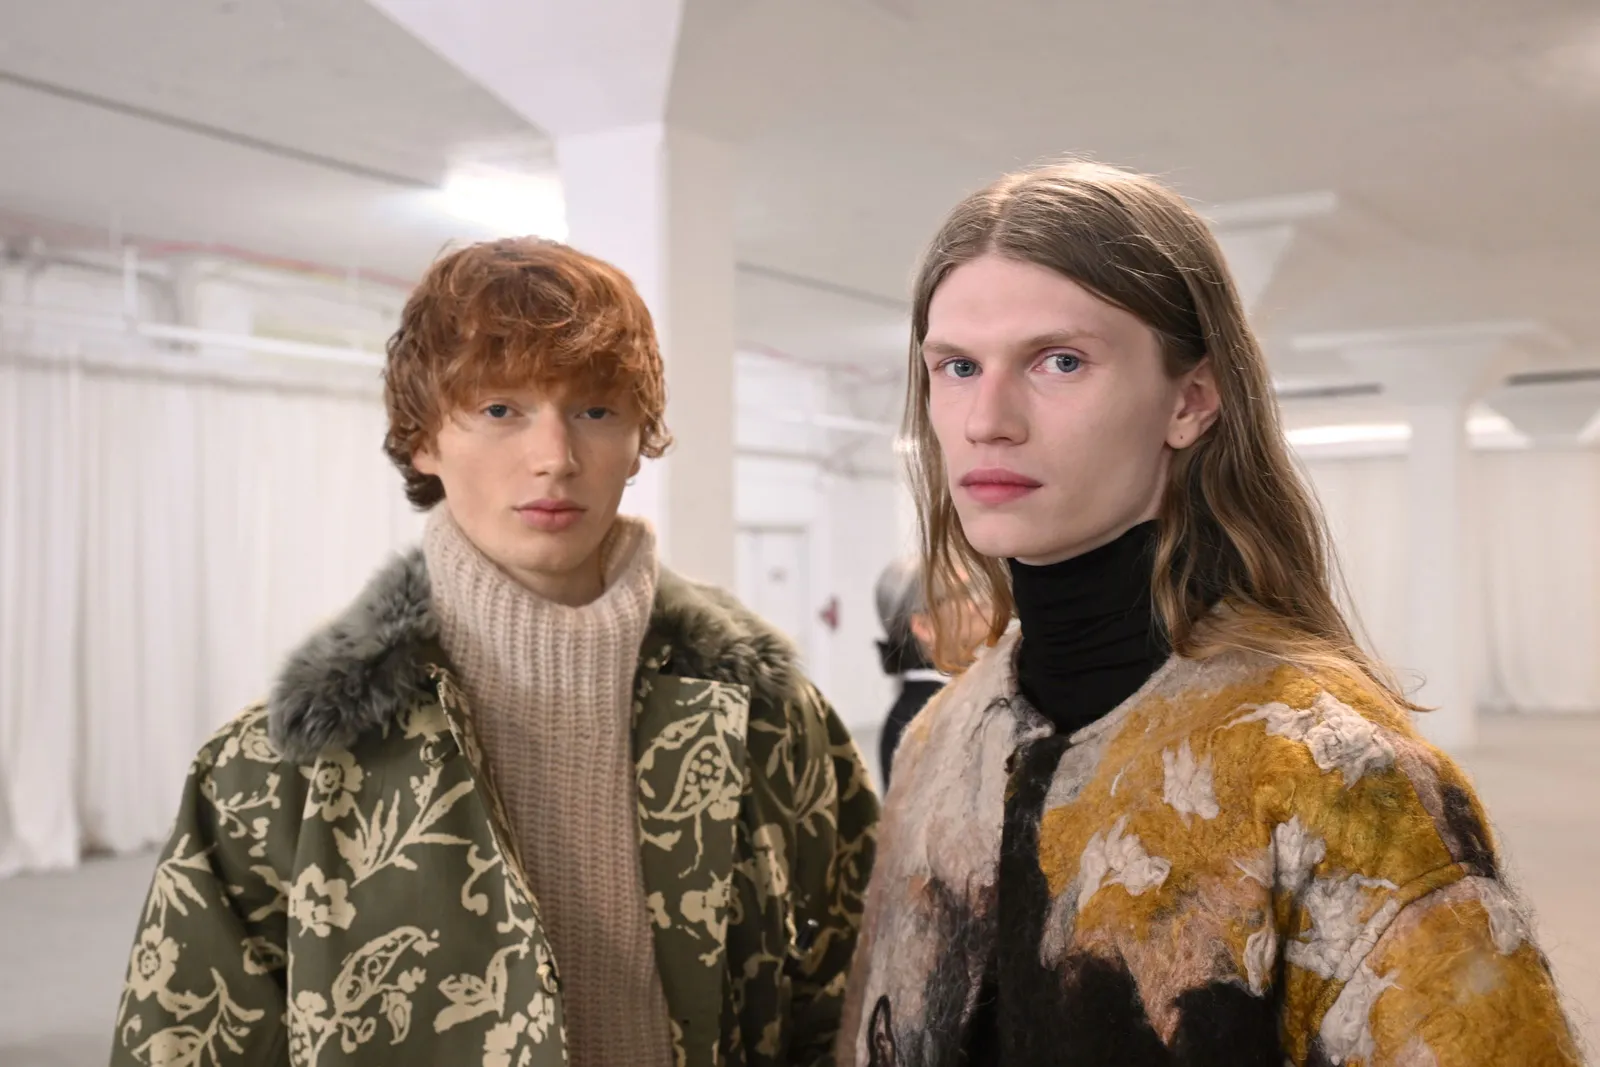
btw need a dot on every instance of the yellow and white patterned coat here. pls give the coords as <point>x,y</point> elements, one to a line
<point>1239,865</point>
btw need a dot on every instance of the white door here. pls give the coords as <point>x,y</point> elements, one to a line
<point>773,579</point>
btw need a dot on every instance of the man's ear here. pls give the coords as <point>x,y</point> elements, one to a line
<point>1198,406</point>
<point>426,460</point>
<point>922,630</point>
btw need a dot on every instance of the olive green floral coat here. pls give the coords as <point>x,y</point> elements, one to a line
<point>341,886</point>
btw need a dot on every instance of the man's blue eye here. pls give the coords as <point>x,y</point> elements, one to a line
<point>961,368</point>
<point>497,411</point>
<point>1065,362</point>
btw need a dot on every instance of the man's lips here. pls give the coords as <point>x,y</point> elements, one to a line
<point>550,515</point>
<point>997,485</point>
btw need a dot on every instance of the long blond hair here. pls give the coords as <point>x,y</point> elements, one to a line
<point>1237,525</point>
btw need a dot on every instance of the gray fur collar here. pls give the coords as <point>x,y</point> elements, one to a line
<point>371,664</point>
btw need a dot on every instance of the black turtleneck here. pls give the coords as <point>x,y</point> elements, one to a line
<point>1090,637</point>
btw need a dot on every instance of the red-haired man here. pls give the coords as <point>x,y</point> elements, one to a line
<point>533,799</point>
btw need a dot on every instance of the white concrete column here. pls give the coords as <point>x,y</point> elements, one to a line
<point>657,202</point>
<point>1437,630</point>
<point>1437,375</point>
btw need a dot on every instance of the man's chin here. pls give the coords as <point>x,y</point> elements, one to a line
<point>551,554</point>
<point>1002,536</point>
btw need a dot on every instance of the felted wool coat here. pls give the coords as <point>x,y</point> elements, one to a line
<point>342,887</point>
<point>1238,866</point>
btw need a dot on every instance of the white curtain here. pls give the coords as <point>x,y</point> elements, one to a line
<point>1540,537</point>
<point>40,590</point>
<point>1364,502</point>
<point>1533,581</point>
<point>163,543</point>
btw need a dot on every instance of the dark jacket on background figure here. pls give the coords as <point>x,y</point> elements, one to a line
<point>904,659</point>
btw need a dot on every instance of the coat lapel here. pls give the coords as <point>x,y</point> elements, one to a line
<point>689,750</point>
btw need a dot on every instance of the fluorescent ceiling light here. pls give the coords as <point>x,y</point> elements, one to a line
<point>1483,427</point>
<point>1489,424</point>
<point>1358,433</point>
<point>508,204</point>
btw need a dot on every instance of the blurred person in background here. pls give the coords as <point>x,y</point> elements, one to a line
<point>534,798</point>
<point>904,651</point>
<point>903,614</point>
<point>1175,815</point>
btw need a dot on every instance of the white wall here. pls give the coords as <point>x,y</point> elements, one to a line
<point>208,293</point>
<point>95,290</point>
<point>864,533</point>
<point>849,513</point>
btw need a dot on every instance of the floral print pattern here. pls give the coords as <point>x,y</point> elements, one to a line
<point>155,961</point>
<point>319,904</point>
<point>335,781</point>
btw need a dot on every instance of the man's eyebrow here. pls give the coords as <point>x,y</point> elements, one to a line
<point>942,348</point>
<point>1044,340</point>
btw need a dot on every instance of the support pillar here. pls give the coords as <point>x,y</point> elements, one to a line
<point>1438,635</point>
<point>657,202</point>
<point>1437,375</point>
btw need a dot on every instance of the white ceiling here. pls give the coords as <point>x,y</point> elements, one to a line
<point>1462,138</point>
<point>356,123</point>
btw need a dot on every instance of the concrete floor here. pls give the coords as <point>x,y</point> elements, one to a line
<point>64,941</point>
<point>1540,779</point>
<point>64,938</point>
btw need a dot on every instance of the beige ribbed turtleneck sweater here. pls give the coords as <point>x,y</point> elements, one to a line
<point>551,692</point>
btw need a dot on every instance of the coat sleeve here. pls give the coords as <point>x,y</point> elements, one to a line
<point>1453,980</point>
<point>206,977</point>
<point>837,815</point>
<point>1403,943</point>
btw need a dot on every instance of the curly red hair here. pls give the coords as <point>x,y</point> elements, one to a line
<point>516,312</point>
